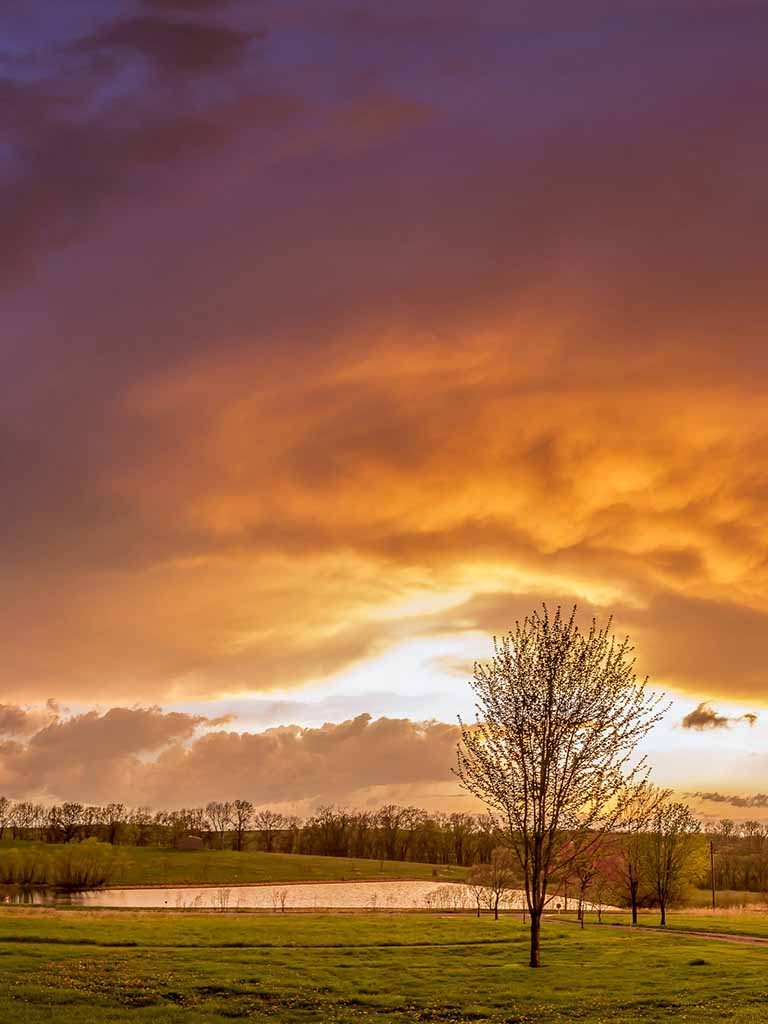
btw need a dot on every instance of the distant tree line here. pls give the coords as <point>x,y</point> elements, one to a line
<point>618,868</point>
<point>390,833</point>
<point>740,855</point>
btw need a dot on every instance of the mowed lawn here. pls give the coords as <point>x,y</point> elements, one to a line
<point>137,865</point>
<point>104,967</point>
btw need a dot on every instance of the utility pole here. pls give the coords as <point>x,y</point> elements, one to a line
<point>712,868</point>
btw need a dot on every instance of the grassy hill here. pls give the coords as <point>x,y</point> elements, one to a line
<point>136,865</point>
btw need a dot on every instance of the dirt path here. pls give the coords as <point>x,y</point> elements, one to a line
<point>747,940</point>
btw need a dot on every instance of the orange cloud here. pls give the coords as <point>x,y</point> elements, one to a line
<point>321,517</point>
<point>348,369</point>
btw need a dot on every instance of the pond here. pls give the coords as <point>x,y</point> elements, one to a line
<point>385,895</point>
<point>369,896</point>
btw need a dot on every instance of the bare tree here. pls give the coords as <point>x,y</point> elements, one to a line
<point>221,898</point>
<point>242,816</point>
<point>475,885</point>
<point>584,870</point>
<point>23,818</point>
<point>390,821</point>
<point>268,824</point>
<point>559,715</point>
<point>497,879</point>
<point>90,821</point>
<point>636,820</point>
<point>593,872</point>
<point>194,819</point>
<point>141,821</point>
<point>220,816</point>
<point>6,813</point>
<point>39,818</point>
<point>670,848</point>
<point>64,821</point>
<point>361,833</point>
<point>112,817</point>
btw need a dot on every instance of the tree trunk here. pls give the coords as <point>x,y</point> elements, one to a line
<point>633,899</point>
<point>496,908</point>
<point>663,909</point>
<point>535,960</point>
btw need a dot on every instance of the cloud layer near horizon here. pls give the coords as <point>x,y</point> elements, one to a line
<point>144,756</point>
<point>324,334</point>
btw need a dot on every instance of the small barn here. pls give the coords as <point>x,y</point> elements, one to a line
<point>189,843</point>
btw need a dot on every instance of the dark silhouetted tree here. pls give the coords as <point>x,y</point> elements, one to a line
<point>242,816</point>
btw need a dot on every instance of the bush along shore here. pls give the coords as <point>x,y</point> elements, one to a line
<point>74,867</point>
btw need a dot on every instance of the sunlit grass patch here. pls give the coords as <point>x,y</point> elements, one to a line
<point>352,969</point>
<point>726,922</point>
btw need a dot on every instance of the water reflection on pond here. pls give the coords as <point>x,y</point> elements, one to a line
<point>386,895</point>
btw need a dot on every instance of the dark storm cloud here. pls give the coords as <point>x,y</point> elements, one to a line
<point>94,162</point>
<point>186,5</point>
<point>704,717</point>
<point>758,800</point>
<point>110,133</point>
<point>175,47</point>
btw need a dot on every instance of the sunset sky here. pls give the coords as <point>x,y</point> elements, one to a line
<point>335,337</point>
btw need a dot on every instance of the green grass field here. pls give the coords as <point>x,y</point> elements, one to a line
<point>103,967</point>
<point>754,923</point>
<point>136,865</point>
<point>731,899</point>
